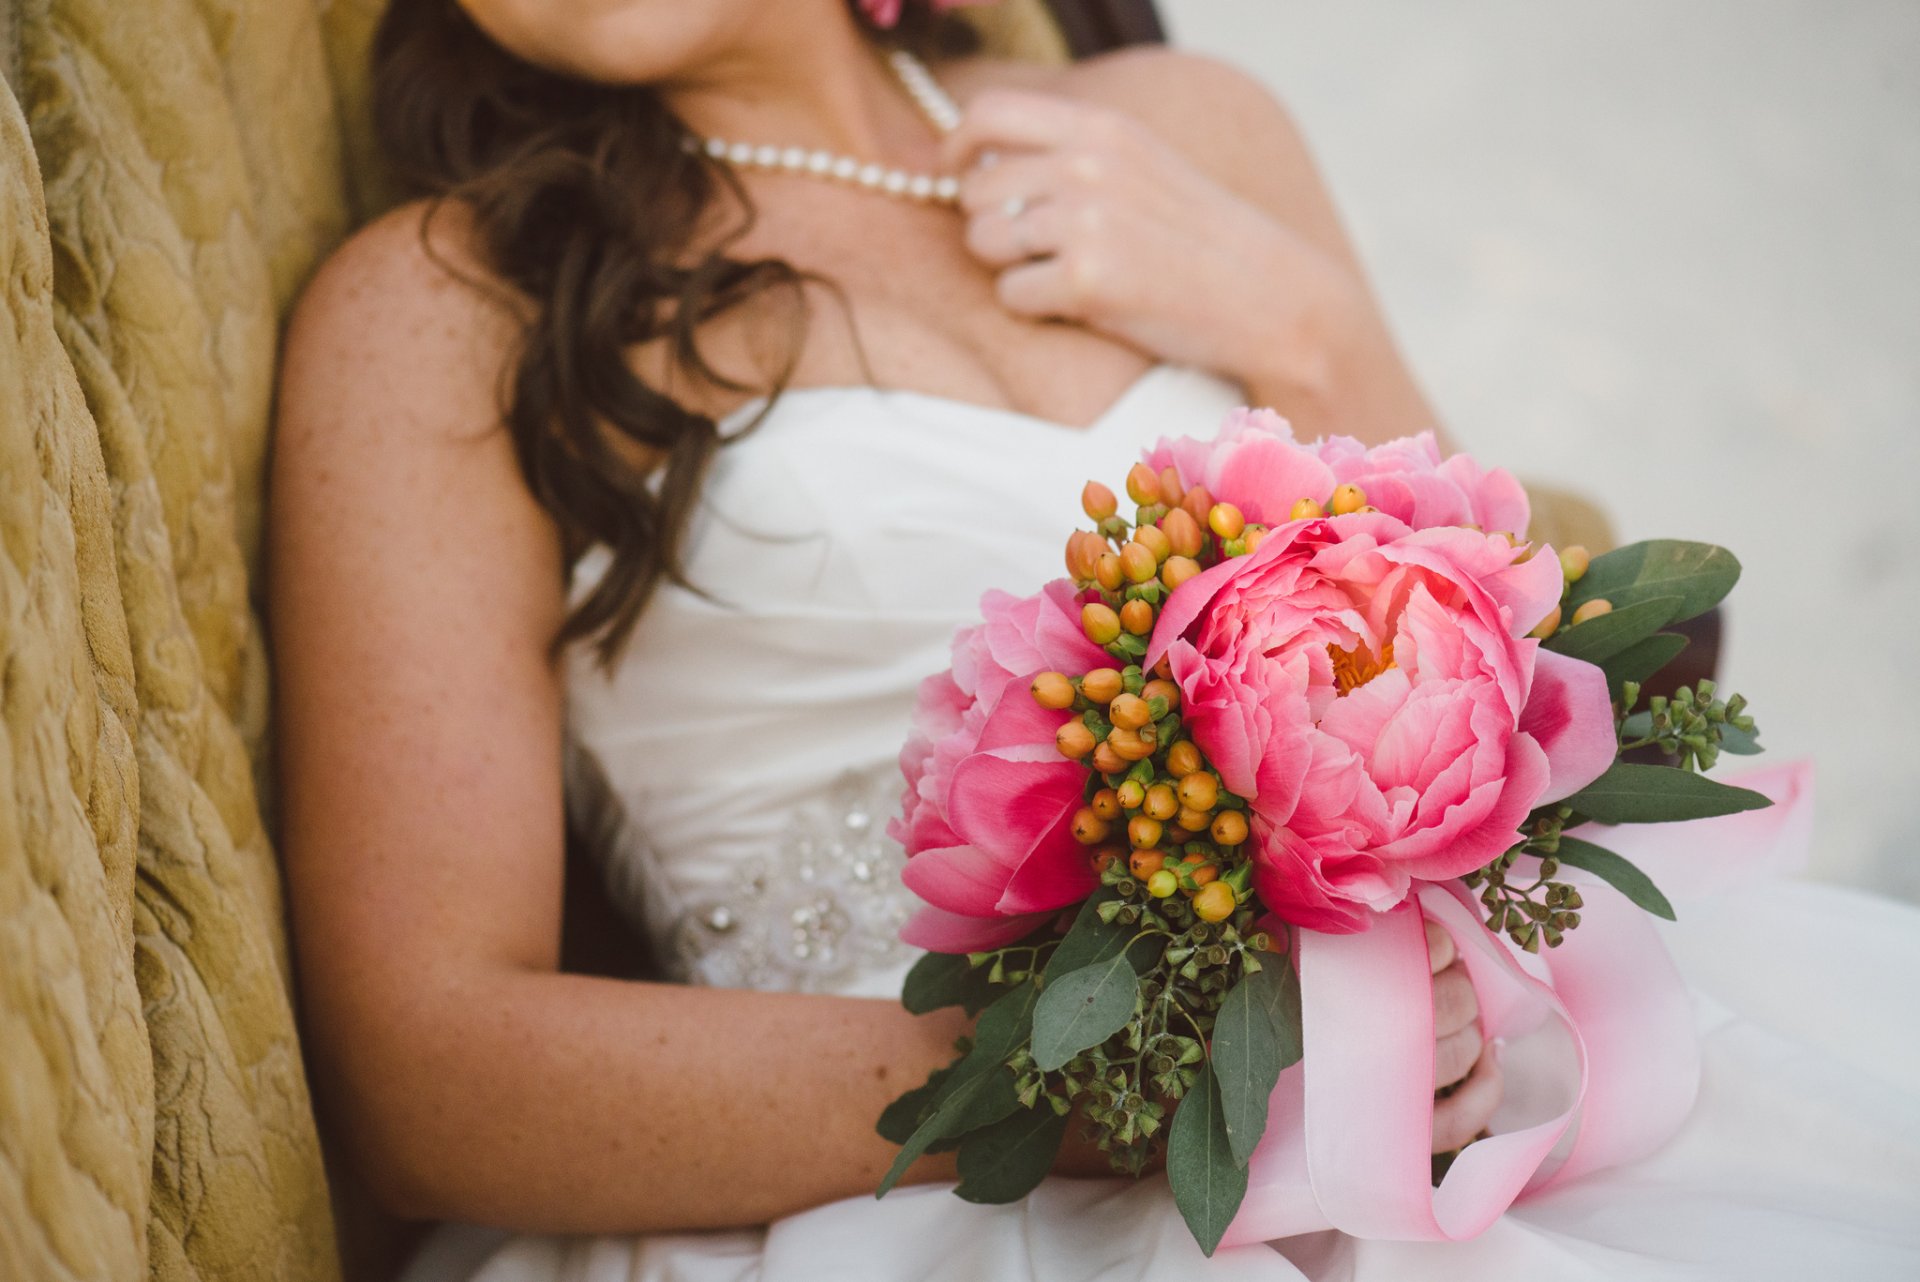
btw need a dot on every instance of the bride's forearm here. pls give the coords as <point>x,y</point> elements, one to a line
<point>563,1103</point>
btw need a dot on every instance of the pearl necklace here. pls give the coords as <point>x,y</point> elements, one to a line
<point>934,103</point>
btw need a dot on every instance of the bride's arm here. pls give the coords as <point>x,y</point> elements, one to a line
<point>414,587</point>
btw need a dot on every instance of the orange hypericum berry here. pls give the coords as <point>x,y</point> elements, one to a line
<point>1107,761</point>
<point>1102,685</point>
<point>1184,758</point>
<point>1137,562</point>
<point>1053,690</point>
<point>1574,562</point>
<point>1254,537</point>
<point>1178,570</point>
<point>1107,572</point>
<point>1170,488</point>
<point>1229,828</point>
<point>1105,858</point>
<point>1199,791</point>
<point>1106,803</point>
<point>1226,520</point>
<point>1074,740</point>
<point>1137,617</point>
<point>1306,510</point>
<point>1089,829</point>
<point>1182,531</point>
<point>1131,794</point>
<point>1592,610</point>
<point>1083,553</point>
<point>1100,623</point>
<point>1547,626</point>
<point>1163,669</point>
<point>1155,540</point>
<point>1129,710</point>
<point>1132,745</point>
<point>1204,873</point>
<point>1160,802</point>
<point>1097,501</point>
<point>1192,820</point>
<point>1196,503</point>
<point>1348,498</point>
<point>1215,902</point>
<point>1144,832</point>
<point>1144,863</point>
<point>1162,884</point>
<point>1143,486</point>
<point>1159,688</point>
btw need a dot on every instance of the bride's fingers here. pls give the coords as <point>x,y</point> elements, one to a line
<point>1465,1113</point>
<point>1440,950</point>
<point>1000,240</point>
<point>1454,1005</point>
<point>1454,1055</point>
<point>1006,119</point>
<point>1025,180</point>
<point>1043,289</point>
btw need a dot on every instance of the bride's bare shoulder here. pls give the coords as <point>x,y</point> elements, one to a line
<point>404,311</point>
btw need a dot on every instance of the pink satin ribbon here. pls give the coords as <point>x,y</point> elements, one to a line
<point>1349,1129</point>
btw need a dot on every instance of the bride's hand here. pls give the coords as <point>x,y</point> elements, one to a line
<point>1089,216</point>
<point>1458,1050</point>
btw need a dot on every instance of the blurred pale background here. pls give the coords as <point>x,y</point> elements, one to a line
<point>1667,253</point>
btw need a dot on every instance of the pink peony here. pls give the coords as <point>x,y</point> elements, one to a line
<point>1255,464</point>
<point>989,799</point>
<point>1367,686</point>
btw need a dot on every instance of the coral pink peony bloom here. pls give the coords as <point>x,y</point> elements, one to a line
<point>1369,689</point>
<point>989,798</point>
<point>1255,464</point>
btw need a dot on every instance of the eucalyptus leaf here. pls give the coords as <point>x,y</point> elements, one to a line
<point>1643,659</point>
<point>1003,1162</point>
<point>1003,1026</point>
<point>1611,634</point>
<point>1741,743</point>
<point>1083,1008</point>
<point>1256,1035</point>
<point>900,1119</point>
<point>1638,794</point>
<point>977,1100</point>
<point>1616,872</point>
<point>1700,574</point>
<point>938,980</point>
<point>1088,940</point>
<point>1208,1183</point>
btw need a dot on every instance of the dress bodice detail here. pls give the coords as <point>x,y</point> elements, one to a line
<point>736,768</point>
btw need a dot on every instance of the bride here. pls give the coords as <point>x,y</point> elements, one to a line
<point>642,469</point>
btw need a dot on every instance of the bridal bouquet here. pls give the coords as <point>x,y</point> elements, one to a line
<point>1178,821</point>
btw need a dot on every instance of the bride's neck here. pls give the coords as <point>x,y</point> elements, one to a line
<point>812,80</point>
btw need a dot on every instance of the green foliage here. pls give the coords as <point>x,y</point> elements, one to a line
<point>1602,638</point>
<point>1256,1036</point>
<point>1700,574</point>
<point>1616,872</point>
<point>1003,1162</point>
<point>1637,794</point>
<point>1083,1008</point>
<point>945,979</point>
<point>1208,1182</point>
<point>1643,659</point>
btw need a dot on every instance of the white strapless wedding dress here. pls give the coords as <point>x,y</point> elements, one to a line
<point>740,768</point>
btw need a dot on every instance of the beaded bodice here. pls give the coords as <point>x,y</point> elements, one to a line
<point>737,768</point>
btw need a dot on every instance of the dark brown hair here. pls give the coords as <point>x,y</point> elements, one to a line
<point>584,203</point>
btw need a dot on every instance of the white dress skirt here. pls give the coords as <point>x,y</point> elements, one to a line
<point>843,542</point>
